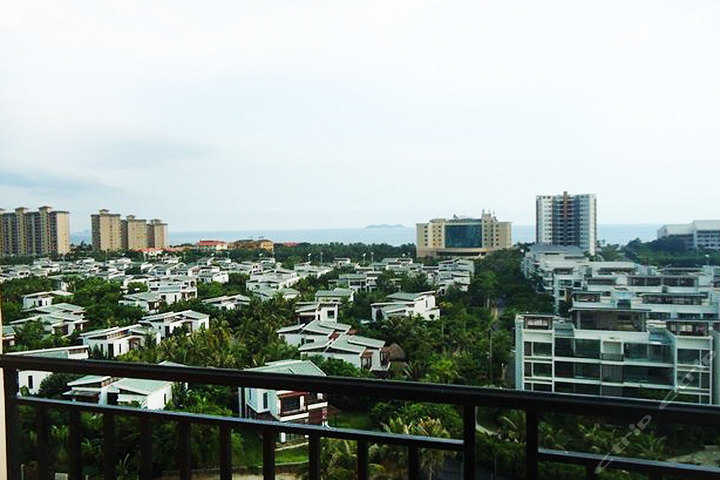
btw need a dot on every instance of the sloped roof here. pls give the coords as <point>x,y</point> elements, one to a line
<point>409,297</point>
<point>137,385</point>
<point>293,367</point>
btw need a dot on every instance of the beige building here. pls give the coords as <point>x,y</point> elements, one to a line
<point>106,231</point>
<point>262,244</point>
<point>110,233</point>
<point>134,234</point>
<point>44,232</point>
<point>157,234</point>
<point>462,237</point>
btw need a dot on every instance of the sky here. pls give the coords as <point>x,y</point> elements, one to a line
<point>222,115</point>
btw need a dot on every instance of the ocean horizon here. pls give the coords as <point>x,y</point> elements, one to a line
<point>610,234</point>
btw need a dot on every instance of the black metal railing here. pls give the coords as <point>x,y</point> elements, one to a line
<point>534,404</point>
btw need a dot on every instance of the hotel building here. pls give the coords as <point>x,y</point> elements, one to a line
<point>461,236</point>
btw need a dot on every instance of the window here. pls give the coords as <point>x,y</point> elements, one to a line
<point>542,349</point>
<point>264,404</point>
<point>366,362</point>
<point>290,404</point>
<point>30,382</point>
<point>586,348</point>
<point>542,370</point>
<point>563,347</point>
<point>688,356</point>
<point>612,373</point>
<point>564,369</point>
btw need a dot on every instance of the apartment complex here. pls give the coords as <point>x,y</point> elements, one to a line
<point>43,232</point>
<point>110,232</point>
<point>460,236</point>
<point>157,234</point>
<point>567,220</point>
<point>133,233</point>
<point>700,234</point>
<point>615,353</point>
<point>631,330</point>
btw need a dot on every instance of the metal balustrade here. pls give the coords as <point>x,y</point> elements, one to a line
<point>534,404</point>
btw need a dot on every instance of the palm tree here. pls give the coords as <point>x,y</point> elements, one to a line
<point>431,461</point>
<point>396,458</point>
<point>513,426</point>
<point>338,460</point>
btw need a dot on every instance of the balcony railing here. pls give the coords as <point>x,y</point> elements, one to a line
<point>534,404</point>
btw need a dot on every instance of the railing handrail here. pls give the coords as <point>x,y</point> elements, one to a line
<point>258,425</point>
<point>533,403</point>
<point>540,402</point>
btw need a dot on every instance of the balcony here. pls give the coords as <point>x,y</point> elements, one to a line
<point>534,404</point>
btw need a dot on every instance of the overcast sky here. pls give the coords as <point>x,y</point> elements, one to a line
<point>219,115</point>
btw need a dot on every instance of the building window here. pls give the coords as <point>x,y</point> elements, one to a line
<point>542,349</point>
<point>688,356</point>
<point>542,370</point>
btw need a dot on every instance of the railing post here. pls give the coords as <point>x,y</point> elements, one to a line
<point>43,445</point>
<point>75,446</point>
<point>413,462</point>
<point>314,458</point>
<point>268,436</point>
<point>362,460</point>
<point>12,423</point>
<point>185,450</point>
<point>531,445</point>
<point>590,472</point>
<point>109,447</point>
<point>469,422</point>
<point>225,453</point>
<point>146,463</point>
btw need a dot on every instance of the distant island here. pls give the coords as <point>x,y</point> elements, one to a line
<point>384,225</point>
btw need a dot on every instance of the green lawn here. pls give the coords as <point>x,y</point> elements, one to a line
<point>360,421</point>
<point>251,451</point>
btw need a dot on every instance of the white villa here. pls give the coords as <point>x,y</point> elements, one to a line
<point>166,323</point>
<point>406,304</point>
<point>115,341</point>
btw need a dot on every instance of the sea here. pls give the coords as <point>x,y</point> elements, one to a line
<point>618,234</point>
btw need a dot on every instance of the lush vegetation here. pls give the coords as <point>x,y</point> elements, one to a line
<point>669,252</point>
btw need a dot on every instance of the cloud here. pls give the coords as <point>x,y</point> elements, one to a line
<point>144,154</point>
<point>41,183</point>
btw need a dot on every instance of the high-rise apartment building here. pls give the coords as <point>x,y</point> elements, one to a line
<point>134,233</point>
<point>567,220</point>
<point>106,231</point>
<point>110,232</point>
<point>461,236</point>
<point>157,234</point>
<point>43,232</point>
